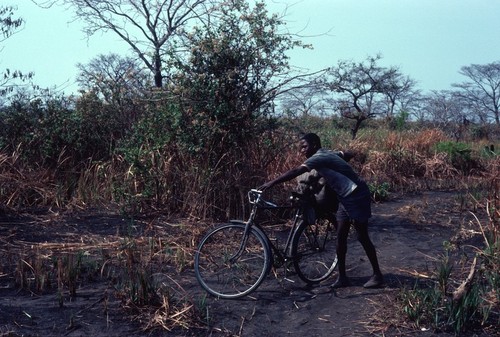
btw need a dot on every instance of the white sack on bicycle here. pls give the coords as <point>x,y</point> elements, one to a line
<point>312,183</point>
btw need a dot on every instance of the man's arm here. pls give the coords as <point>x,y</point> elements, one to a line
<point>289,175</point>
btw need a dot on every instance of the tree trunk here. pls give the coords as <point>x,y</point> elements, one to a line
<point>158,74</point>
<point>355,129</point>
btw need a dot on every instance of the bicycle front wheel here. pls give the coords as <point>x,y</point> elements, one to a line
<point>314,250</point>
<point>227,266</point>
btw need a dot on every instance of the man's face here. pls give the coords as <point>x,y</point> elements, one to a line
<point>306,149</point>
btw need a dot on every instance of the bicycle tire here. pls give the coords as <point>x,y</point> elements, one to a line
<point>232,279</point>
<point>314,250</point>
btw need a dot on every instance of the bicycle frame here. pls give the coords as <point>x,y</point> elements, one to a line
<point>255,198</point>
<point>234,258</point>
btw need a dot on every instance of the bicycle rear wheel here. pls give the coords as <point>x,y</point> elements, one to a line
<point>314,249</point>
<point>227,270</point>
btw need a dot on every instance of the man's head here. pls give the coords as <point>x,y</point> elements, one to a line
<point>309,144</point>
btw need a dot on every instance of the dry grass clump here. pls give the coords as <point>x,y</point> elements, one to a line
<point>397,167</point>
<point>411,160</point>
<point>170,181</point>
<point>438,167</point>
<point>94,184</point>
<point>143,272</point>
<point>493,169</point>
<point>22,187</point>
<point>175,310</point>
<point>419,141</point>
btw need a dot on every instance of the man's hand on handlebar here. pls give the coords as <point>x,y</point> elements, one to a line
<point>265,186</point>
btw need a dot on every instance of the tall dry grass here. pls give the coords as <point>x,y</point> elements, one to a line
<point>172,181</point>
<point>26,187</point>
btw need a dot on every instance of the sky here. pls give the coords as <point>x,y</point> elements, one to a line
<point>429,40</point>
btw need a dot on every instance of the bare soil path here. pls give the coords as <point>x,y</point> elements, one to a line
<point>408,232</point>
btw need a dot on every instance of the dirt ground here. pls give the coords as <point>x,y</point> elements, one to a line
<point>408,232</point>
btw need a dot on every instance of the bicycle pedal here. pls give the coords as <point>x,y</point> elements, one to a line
<point>277,262</point>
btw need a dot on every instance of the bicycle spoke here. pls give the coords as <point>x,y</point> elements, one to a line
<point>226,271</point>
<point>314,251</point>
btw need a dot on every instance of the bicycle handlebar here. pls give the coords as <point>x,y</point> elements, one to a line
<point>255,197</point>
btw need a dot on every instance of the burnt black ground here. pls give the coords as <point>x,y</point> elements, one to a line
<point>408,232</point>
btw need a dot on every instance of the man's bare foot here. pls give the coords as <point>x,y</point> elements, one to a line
<point>341,282</point>
<point>376,281</point>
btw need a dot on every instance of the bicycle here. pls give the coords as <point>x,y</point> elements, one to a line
<point>233,259</point>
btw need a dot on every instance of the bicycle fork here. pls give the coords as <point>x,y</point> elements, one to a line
<point>243,243</point>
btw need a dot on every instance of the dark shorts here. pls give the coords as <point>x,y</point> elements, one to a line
<point>356,206</point>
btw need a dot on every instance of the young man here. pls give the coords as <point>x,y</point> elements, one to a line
<point>354,197</point>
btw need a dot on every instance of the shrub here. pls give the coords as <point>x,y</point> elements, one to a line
<point>460,155</point>
<point>379,191</point>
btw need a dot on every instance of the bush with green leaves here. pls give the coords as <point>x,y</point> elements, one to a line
<point>460,154</point>
<point>53,130</point>
<point>379,191</point>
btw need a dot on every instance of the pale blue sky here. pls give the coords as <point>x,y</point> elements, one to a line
<point>428,39</point>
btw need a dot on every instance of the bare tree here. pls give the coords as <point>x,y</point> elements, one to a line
<point>400,90</point>
<point>305,100</point>
<point>482,90</point>
<point>118,81</point>
<point>115,78</point>
<point>361,87</point>
<point>307,97</point>
<point>149,27</point>
<point>448,111</point>
<point>417,108</point>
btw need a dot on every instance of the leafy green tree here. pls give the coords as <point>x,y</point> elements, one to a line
<point>224,89</point>
<point>228,81</point>
<point>37,128</point>
<point>47,129</point>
